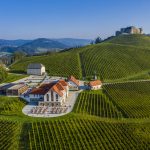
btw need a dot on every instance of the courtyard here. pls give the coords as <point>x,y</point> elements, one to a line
<point>33,110</point>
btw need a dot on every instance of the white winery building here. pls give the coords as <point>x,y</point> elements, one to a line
<point>36,69</point>
<point>51,94</point>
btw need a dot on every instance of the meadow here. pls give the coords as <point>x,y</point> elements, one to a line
<point>13,77</point>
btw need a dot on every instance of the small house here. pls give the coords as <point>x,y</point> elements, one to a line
<point>36,69</point>
<point>95,85</point>
<point>74,84</point>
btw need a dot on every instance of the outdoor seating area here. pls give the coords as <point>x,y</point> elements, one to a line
<point>48,110</point>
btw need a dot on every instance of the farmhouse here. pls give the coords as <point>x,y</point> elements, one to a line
<point>95,85</point>
<point>16,90</point>
<point>51,94</point>
<point>73,83</point>
<point>36,69</point>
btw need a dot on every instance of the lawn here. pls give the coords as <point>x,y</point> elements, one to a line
<point>13,77</point>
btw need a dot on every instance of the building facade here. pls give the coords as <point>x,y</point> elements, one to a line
<point>36,69</point>
<point>74,84</point>
<point>95,85</point>
<point>129,30</point>
<point>16,90</point>
<point>51,94</point>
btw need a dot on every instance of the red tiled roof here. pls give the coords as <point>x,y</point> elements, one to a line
<point>63,82</point>
<point>95,83</point>
<point>74,80</point>
<point>44,88</point>
<point>56,88</point>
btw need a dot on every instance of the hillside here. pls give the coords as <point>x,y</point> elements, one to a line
<point>60,64</point>
<point>97,122</point>
<point>13,43</point>
<point>142,41</point>
<point>40,45</point>
<point>110,61</point>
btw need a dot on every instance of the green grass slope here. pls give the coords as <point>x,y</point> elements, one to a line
<point>11,77</point>
<point>60,64</point>
<point>142,41</point>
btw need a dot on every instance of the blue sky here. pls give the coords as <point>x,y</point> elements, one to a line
<point>29,19</point>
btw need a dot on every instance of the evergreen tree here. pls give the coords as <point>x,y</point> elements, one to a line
<point>98,40</point>
<point>3,74</point>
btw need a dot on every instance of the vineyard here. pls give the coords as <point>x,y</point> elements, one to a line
<point>96,103</point>
<point>11,105</point>
<point>96,122</point>
<point>107,59</point>
<point>84,134</point>
<point>9,133</point>
<point>114,118</point>
<point>60,64</point>
<point>133,99</point>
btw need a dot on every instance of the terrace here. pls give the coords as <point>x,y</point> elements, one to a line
<point>33,110</point>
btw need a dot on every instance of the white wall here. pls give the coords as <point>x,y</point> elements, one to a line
<point>36,71</point>
<point>72,85</point>
<point>96,87</point>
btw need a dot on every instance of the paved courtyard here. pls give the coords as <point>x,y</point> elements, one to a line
<point>43,111</point>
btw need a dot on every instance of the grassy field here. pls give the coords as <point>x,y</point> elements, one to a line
<point>13,77</point>
<point>97,122</point>
<point>133,99</point>
<point>110,60</point>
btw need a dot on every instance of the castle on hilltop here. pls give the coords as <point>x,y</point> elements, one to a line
<point>129,30</point>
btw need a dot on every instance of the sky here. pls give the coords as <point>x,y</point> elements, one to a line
<point>30,19</point>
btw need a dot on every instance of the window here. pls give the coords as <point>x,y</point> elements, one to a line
<point>56,97</point>
<point>47,97</point>
<point>52,96</point>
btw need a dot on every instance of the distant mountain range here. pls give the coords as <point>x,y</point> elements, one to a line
<point>40,45</point>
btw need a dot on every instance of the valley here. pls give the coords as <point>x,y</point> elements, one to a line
<point>114,117</point>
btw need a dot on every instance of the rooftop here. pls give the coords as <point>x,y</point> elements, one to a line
<point>95,83</point>
<point>55,86</point>
<point>35,66</point>
<point>16,87</point>
<point>74,80</point>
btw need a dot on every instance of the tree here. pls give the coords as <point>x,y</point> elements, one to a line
<point>98,40</point>
<point>3,73</point>
<point>18,55</point>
